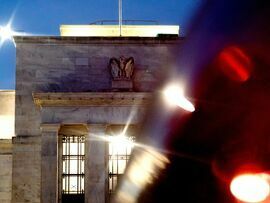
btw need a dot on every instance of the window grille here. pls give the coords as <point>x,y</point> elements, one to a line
<point>119,154</point>
<point>73,159</point>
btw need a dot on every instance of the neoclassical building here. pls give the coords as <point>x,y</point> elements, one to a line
<point>79,101</point>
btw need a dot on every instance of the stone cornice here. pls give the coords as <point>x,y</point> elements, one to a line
<point>82,99</point>
<point>97,40</point>
<point>5,146</point>
<point>26,139</point>
<point>50,127</point>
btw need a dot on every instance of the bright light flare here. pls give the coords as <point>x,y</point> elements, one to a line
<point>250,187</point>
<point>144,167</point>
<point>6,33</point>
<point>7,123</point>
<point>120,144</point>
<point>235,63</point>
<point>174,95</point>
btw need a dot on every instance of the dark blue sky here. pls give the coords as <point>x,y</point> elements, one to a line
<point>43,17</point>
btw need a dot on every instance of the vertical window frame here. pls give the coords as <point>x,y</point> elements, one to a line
<point>79,157</point>
<point>110,171</point>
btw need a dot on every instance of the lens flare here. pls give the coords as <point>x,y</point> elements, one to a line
<point>142,170</point>
<point>235,63</point>
<point>174,95</point>
<point>250,187</point>
<point>6,32</point>
<point>7,126</point>
<point>120,144</point>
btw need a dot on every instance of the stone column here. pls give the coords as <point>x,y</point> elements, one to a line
<point>49,163</point>
<point>95,172</point>
<point>6,170</point>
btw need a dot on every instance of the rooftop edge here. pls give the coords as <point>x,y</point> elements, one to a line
<point>162,39</point>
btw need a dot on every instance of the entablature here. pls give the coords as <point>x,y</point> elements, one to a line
<point>85,99</point>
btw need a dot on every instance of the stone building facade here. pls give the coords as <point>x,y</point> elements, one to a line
<point>7,110</point>
<point>67,96</point>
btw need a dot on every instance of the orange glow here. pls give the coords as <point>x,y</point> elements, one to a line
<point>250,187</point>
<point>235,63</point>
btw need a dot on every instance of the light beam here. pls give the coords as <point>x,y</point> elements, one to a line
<point>6,32</point>
<point>174,95</point>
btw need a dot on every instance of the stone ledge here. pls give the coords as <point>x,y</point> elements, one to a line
<point>26,139</point>
<point>5,146</point>
<point>47,127</point>
<point>97,40</point>
<point>91,99</point>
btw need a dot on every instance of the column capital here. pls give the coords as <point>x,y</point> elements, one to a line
<point>50,127</point>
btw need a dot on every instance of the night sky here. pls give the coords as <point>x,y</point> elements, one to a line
<point>41,17</point>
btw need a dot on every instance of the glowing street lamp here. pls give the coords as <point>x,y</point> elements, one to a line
<point>250,188</point>
<point>174,95</point>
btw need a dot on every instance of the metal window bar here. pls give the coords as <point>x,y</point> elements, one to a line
<point>73,158</point>
<point>117,165</point>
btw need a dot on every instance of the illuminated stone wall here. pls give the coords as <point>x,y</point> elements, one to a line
<point>7,114</point>
<point>5,170</point>
<point>73,64</point>
<point>113,30</point>
<point>81,65</point>
<point>7,118</point>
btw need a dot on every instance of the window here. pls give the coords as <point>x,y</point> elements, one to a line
<point>73,174</point>
<point>120,148</point>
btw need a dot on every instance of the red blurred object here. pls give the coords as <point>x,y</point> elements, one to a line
<point>235,63</point>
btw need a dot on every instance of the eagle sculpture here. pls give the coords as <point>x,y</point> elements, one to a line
<point>122,68</point>
<point>115,69</point>
<point>129,67</point>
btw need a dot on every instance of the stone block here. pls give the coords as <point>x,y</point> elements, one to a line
<point>81,61</point>
<point>122,84</point>
<point>5,177</point>
<point>26,174</point>
<point>96,194</point>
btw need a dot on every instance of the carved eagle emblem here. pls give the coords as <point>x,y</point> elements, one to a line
<point>122,68</point>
